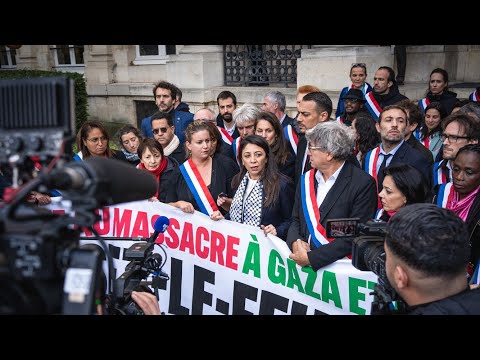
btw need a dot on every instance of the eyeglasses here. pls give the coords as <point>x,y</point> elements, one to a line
<point>310,148</point>
<point>363,65</point>
<point>163,130</point>
<point>452,138</point>
<point>96,139</point>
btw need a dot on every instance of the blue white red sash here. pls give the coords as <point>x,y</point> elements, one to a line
<point>423,103</point>
<point>445,194</point>
<point>225,135</point>
<point>379,214</point>
<point>370,166</point>
<point>236,149</point>
<point>418,133</point>
<point>78,156</point>
<point>366,87</point>
<point>291,137</point>
<point>439,173</point>
<point>198,188</point>
<point>311,212</point>
<point>476,276</point>
<point>340,120</point>
<point>372,105</point>
<point>474,96</point>
<point>426,142</point>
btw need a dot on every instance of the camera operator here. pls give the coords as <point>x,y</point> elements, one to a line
<point>427,252</point>
<point>147,302</point>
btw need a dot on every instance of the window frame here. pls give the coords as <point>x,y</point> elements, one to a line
<point>73,66</point>
<point>159,59</point>
<point>9,64</point>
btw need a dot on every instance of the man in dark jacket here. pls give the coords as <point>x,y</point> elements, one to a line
<point>427,251</point>
<point>333,188</point>
<point>385,91</point>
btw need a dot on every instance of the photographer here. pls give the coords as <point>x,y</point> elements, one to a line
<point>147,302</point>
<point>427,252</point>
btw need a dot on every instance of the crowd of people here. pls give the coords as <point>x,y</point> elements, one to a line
<point>381,153</point>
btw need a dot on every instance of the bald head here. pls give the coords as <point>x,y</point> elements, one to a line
<point>205,114</point>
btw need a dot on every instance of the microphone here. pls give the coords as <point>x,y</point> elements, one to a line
<point>160,226</point>
<point>108,181</point>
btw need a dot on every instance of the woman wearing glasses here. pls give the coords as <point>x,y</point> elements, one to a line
<point>93,140</point>
<point>463,196</point>
<point>358,76</point>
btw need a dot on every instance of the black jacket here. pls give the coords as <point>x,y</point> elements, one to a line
<point>447,99</point>
<point>391,98</point>
<point>354,194</point>
<point>417,145</point>
<point>464,303</point>
<point>166,179</point>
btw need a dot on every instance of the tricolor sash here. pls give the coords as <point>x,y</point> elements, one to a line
<point>476,276</point>
<point>445,194</point>
<point>339,119</point>
<point>311,212</point>
<point>225,135</point>
<point>426,142</point>
<point>379,214</point>
<point>474,96</point>
<point>423,103</point>
<point>439,174</point>
<point>372,105</point>
<point>236,149</point>
<point>370,166</point>
<point>198,188</point>
<point>291,137</point>
<point>418,133</point>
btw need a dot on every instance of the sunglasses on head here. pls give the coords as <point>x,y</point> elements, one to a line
<point>157,131</point>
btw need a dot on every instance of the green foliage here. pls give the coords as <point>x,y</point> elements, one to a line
<point>81,105</point>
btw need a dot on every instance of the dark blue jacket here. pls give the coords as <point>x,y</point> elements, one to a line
<point>181,120</point>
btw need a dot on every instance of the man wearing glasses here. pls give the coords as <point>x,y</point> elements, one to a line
<point>332,189</point>
<point>458,130</point>
<point>164,132</point>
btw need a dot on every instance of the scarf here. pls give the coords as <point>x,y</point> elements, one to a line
<point>157,172</point>
<point>462,207</point>
<point>130,157</point>
<point>247,210</point>
<point>170,148</point>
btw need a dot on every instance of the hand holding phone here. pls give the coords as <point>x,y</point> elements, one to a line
<point>222,194</point>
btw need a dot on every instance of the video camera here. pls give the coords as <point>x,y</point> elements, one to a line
<point>368,254</point>
<point>43,269</point>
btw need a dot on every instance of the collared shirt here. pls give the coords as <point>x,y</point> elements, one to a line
<point>230,131</point>
<point>283,118</point>
<point>323,186</point>
<point>389,160</point>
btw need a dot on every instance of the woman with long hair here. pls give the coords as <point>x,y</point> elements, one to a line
<point>367,136</point>
<point>201,178</point>
<point>268,126</point>
<point>93,140</point>
<point>263,196</point>
<point>431,130</point>
<point>153,160</point>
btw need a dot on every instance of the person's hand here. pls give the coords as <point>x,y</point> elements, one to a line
<point>153,199</point>
<point>269,229</point>
<point>185,206</point>
<point>224,202</point>
<point>216,215</point>
<point>299,254</point>
<point>147,302</point>
<point>39,198</point>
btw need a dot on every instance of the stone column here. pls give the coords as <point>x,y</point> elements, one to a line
<point>99,64</point>
<point>35,57</point>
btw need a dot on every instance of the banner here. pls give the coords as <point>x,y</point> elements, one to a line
<point>223,267</point>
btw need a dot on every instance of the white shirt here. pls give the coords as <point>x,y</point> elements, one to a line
<point>323,186</point>
<point>230,131</point>
<point>389,160</point>
<point>283,118</point>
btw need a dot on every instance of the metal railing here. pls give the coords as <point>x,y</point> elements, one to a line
<point>261,65</point>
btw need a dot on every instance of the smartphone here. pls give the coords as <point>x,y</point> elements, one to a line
<point>346,227</point>
<point>222,194</point>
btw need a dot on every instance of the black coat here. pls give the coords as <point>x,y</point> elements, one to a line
<point>354,194</point>
<point>166,179</point>
<point>464,303</point>
<point>288,120</point>
<point>447,99</point>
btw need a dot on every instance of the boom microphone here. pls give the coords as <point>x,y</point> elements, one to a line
<point>160,226</point>
<point>108,181</point>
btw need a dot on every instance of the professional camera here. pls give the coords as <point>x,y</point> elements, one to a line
<point>368,254</point>
<point>43,269</point>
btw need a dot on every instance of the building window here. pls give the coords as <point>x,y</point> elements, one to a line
<point>152,54</point>
<point>69,57</point>
<point>7,57</point>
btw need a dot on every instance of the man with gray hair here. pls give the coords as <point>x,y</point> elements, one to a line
<point>274,101</point>
<point>333,188</point>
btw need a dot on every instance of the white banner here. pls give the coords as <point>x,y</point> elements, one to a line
<point>223,267</point>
